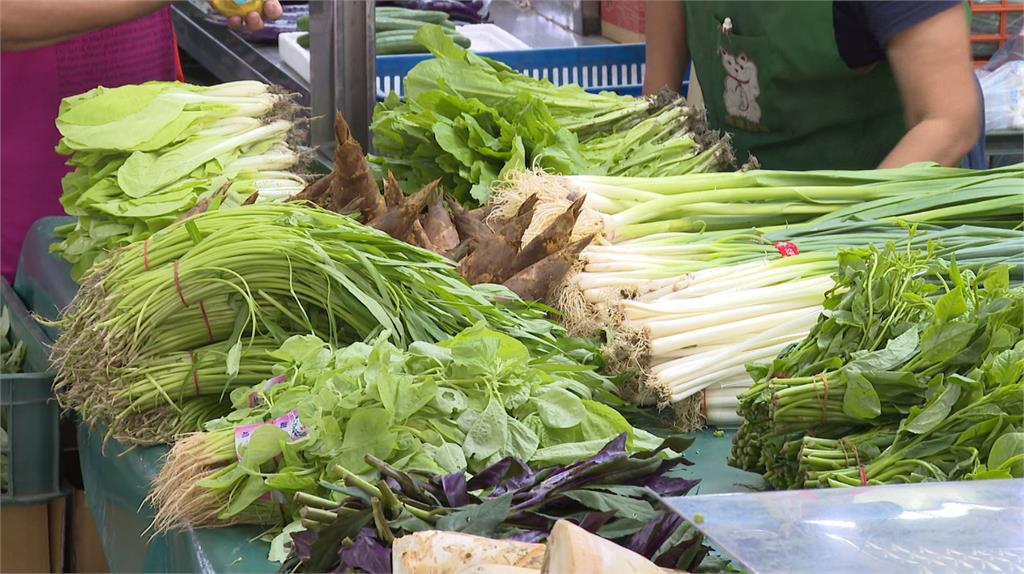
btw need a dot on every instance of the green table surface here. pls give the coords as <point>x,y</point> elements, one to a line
<point>117,480</point>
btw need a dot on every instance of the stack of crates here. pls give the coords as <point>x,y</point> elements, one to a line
<point>992,23</point>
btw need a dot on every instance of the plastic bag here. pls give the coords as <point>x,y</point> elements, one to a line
<point>1002,82</point>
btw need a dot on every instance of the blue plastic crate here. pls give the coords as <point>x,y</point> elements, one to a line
<point>618,68</point>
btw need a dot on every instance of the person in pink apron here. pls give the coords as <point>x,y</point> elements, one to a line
<point>50,50</point>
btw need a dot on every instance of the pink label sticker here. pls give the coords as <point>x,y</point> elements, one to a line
<point>288,422</point>
<point>786,249</point>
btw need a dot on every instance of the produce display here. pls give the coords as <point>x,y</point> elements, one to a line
<point>463,403</point>
<point>145,155</point>
<point>366,368</point>
<point>395,27</point>
<point>510,500</point>
<point>696,276</point>
<point>470,121</point>
<point>915,372</point>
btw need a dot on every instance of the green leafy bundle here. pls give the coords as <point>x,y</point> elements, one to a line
<point>466,402</point>
<point>144,155</point>
<point>204,295</point>
<point>470,120</point>
<point>914,372</point>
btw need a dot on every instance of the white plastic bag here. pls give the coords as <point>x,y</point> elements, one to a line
<point>1004,97</point>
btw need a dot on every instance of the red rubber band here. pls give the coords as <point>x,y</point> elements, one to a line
<point>206,321</point>
<point>177,284</point>
<point>195,372</point>
<point>145,254</point>
<point>704,403</point>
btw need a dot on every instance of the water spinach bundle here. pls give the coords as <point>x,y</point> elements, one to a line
<point>144,155</point>
<point>208,291</point>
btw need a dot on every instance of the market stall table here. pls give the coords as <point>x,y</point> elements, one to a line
<point>117,480</point>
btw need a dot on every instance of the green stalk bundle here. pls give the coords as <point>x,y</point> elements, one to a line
<point>914,372</point>
<point>232,277</point>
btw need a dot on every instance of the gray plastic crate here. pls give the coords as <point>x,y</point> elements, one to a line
<point>30,413</point>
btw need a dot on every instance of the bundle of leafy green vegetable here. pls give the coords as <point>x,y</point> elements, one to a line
<point>466,402</point>
<point>914,372</point>
<point>469,120</point>
<point>144,155</point>
<point>181,318</point>
<point>606,494</point>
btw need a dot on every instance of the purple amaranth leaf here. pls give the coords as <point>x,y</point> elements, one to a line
<point>670,558</point>
<point>367,553</point>
<point>302,543</point>
<point>649,539</point>
<point>593,521</point>
<point>668,485</point>
<point>653,534</point>
<point>530,520</point>
<point>575,474</point>
<point>454,487</point>
<point>499,472</point>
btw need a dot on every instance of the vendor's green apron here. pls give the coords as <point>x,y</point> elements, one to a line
<point>776,82</point>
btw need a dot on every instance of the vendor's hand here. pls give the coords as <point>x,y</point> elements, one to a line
<point>253,21</point>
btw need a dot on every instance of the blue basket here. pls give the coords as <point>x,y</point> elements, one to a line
<point>617,68</point>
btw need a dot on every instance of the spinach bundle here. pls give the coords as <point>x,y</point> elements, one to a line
<point>914,372</point>
<point>227,280</point>
<point>606,493</point>
<point>470,120</point>
<point>144,155</point>
<point>466,402</point>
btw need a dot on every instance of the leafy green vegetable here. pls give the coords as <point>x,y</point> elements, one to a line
<point>144,155</point>
<point>486,397</point>
<point>470,121</point>
<point>915,372</point>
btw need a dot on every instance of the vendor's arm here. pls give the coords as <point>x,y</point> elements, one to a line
<point>932,66</point>
<point>667,54</point>
<point>27,24</point>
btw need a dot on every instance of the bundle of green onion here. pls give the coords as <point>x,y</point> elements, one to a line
<point>915,372</point>
<point>215,286</point>
<point>701,274</point>
<point>144,155</point>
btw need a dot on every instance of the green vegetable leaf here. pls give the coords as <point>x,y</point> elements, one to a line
<point>860,399</point>
<point>488,433</point>
<point>1008,451</point>
<point>934,412</point>
<point>951,305</point>
<point>623,506</point>
<point>559,408</point>
<point>479,519</point>
<point>367,432</point>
